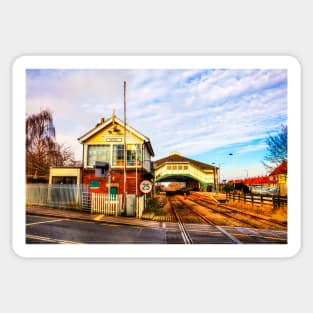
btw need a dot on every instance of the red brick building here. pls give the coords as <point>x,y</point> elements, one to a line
<point>107,142</point>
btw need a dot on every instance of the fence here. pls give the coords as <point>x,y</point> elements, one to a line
<point>58,196</point>
<point>78,197</point>
<point>112,205</point>
<point>275,201</point>
<point>106,204</point>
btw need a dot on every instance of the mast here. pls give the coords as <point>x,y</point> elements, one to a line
<point>125,151</point>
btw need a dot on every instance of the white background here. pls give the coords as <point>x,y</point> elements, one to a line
<point>162,27</point>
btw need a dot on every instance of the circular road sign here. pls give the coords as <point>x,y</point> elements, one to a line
<point>146,186</point>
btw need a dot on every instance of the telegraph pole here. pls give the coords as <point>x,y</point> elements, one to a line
<point>125,151</point>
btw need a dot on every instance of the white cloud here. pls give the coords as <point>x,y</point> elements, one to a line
<point>191,111</point>
<point>251,148</point>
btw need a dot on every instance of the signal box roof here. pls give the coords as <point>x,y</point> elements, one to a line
<point>105,123</point>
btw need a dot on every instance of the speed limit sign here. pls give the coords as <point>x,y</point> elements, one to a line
<point>146,186</point>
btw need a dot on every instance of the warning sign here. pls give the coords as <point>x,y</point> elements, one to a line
<point>146,186</point>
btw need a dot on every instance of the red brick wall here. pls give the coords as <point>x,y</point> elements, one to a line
<point>117,180</point>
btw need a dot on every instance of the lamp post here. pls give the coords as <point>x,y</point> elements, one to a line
<point>218,175</point>
<point>215,180</point>
<point>231,154</point>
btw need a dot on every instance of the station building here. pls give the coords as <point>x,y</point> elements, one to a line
<point>196,175</point>
<point>105,143</point>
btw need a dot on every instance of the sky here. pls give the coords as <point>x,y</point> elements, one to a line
<point>216,116</point>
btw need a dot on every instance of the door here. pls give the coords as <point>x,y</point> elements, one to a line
<point>113,192</point>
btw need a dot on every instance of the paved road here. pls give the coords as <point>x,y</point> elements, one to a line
<point>57,230</point>
<point>64,230</point>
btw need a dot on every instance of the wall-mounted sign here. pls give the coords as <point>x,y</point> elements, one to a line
<point>102,169</point>
<point>94,184</point>
<point>114,139</point>
<point>146,186</point>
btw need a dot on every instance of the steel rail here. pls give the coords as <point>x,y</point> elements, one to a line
<point>184,233</point>
<point>207,204</point>
<point>264,220</point>
<point>206,220</point>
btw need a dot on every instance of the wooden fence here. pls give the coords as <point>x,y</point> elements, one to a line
<point>275,201</point>
<point>112,205</point>
<point>106,204</point>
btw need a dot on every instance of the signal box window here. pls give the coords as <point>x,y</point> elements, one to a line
<point>118,155</point>
<point>98,153</point>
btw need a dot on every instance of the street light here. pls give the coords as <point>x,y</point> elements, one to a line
<point>231,154</point>
<point>216,179</point>
<point>219,174</point>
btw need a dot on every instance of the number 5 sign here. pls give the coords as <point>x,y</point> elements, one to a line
<point>146,186</point>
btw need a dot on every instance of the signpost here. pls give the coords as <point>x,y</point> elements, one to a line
<point>145,187</point>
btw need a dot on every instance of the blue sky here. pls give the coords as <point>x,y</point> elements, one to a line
<point>203,114</point>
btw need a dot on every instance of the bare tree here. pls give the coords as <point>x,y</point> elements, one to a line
<point>42,150</point>
<point>277,149</point>
<point>66,155</point>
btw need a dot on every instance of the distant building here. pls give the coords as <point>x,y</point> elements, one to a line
<point>275,183</point>
<point>177,168</point>
<point>279,177</point>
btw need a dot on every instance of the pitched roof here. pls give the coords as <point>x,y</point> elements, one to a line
<point>253,180</point>
<point>281,169</point>
<point>104,123</point>
<point>177,158</point>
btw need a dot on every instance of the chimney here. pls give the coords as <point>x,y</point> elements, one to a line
<point>101,121</point>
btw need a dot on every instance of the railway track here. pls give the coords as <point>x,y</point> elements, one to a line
<point>186,216</point>
<point>185,235</point>
<point>245,218</point>
<point>199,224</point>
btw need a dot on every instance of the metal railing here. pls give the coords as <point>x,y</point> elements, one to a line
<point>58,196</point>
